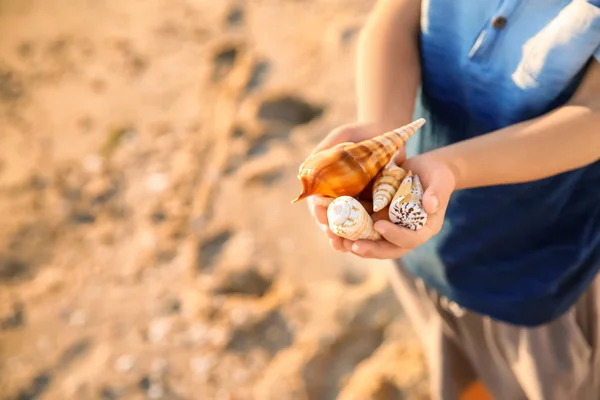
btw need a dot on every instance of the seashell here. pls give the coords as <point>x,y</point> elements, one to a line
<point>406,208</point>
<point>386,184</point>
<point>405,186</point>
<point>346,169</point>
<point>349,219</point>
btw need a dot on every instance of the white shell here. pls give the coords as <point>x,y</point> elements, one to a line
<point>406,208</point>
<point>386,184</point>
<point>349,219</point>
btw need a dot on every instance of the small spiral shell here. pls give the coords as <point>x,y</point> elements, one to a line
<point>350,220</point>
<point>406,208</point>
<point>386,184</point>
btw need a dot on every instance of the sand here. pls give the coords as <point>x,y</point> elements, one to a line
<point>148,246</point>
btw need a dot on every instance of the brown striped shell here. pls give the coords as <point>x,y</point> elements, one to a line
<point>386,184</point>
<point>346,169</point>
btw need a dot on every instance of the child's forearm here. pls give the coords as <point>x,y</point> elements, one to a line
<point>563,140</point>
<point>388,66</point>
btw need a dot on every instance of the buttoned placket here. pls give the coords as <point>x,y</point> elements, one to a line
<point>492,29</point>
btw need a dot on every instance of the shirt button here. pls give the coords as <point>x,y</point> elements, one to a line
<point>499,22</point>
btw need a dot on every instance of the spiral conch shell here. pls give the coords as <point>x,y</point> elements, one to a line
<point>406,208</point>
<point>346,169</point>
<point>349,219</point>
<point>386,184</point>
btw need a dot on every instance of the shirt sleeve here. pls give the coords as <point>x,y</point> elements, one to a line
<point>597,54</point>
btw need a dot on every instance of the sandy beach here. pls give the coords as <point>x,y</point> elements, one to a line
<point>148,245</point>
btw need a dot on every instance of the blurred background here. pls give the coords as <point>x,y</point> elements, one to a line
<point>148,247</point>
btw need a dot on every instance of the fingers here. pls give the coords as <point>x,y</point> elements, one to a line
<point>380,249</point>
<point>439,185</point>
<point>321,217</point>
<point>334,240</point>
<point>352,133</point>
<point>435,200</point>
<point>431,202</point>
<point>348,244</point>
<point>337,243</point>
<point>403,237</point>
<point>317,206</point>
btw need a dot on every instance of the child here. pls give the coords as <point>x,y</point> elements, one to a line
<point>501,283</point>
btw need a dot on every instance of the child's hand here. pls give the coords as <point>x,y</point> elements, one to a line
<point>318,205</point>
<point>438,183</point>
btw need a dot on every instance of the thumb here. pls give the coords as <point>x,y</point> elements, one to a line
<point>431,201</point>
<point>438,190</point>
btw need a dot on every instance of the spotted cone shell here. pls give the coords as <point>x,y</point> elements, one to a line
<point>349,219</point>
<point>406,208</point>
<point>386,184</point>
<point>347,169</point>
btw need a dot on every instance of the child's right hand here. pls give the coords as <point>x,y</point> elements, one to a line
<point>318,205</point>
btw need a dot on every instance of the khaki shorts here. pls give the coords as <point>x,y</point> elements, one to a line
<point>556,361</point>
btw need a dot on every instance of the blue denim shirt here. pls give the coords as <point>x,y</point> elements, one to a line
<point>520,253</point>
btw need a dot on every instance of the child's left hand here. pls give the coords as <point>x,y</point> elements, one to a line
<point>438,183</point>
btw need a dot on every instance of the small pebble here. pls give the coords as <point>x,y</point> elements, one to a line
<point>235,16</point>
<point>157,182</point>
<point>93,164</point>
<point>144,383</point>
<point>148,240</point>
<point>174,306</point>
<point>159,328</point>
<point>15,319</point>
<point>125,363</point>
<point>108,393</point>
